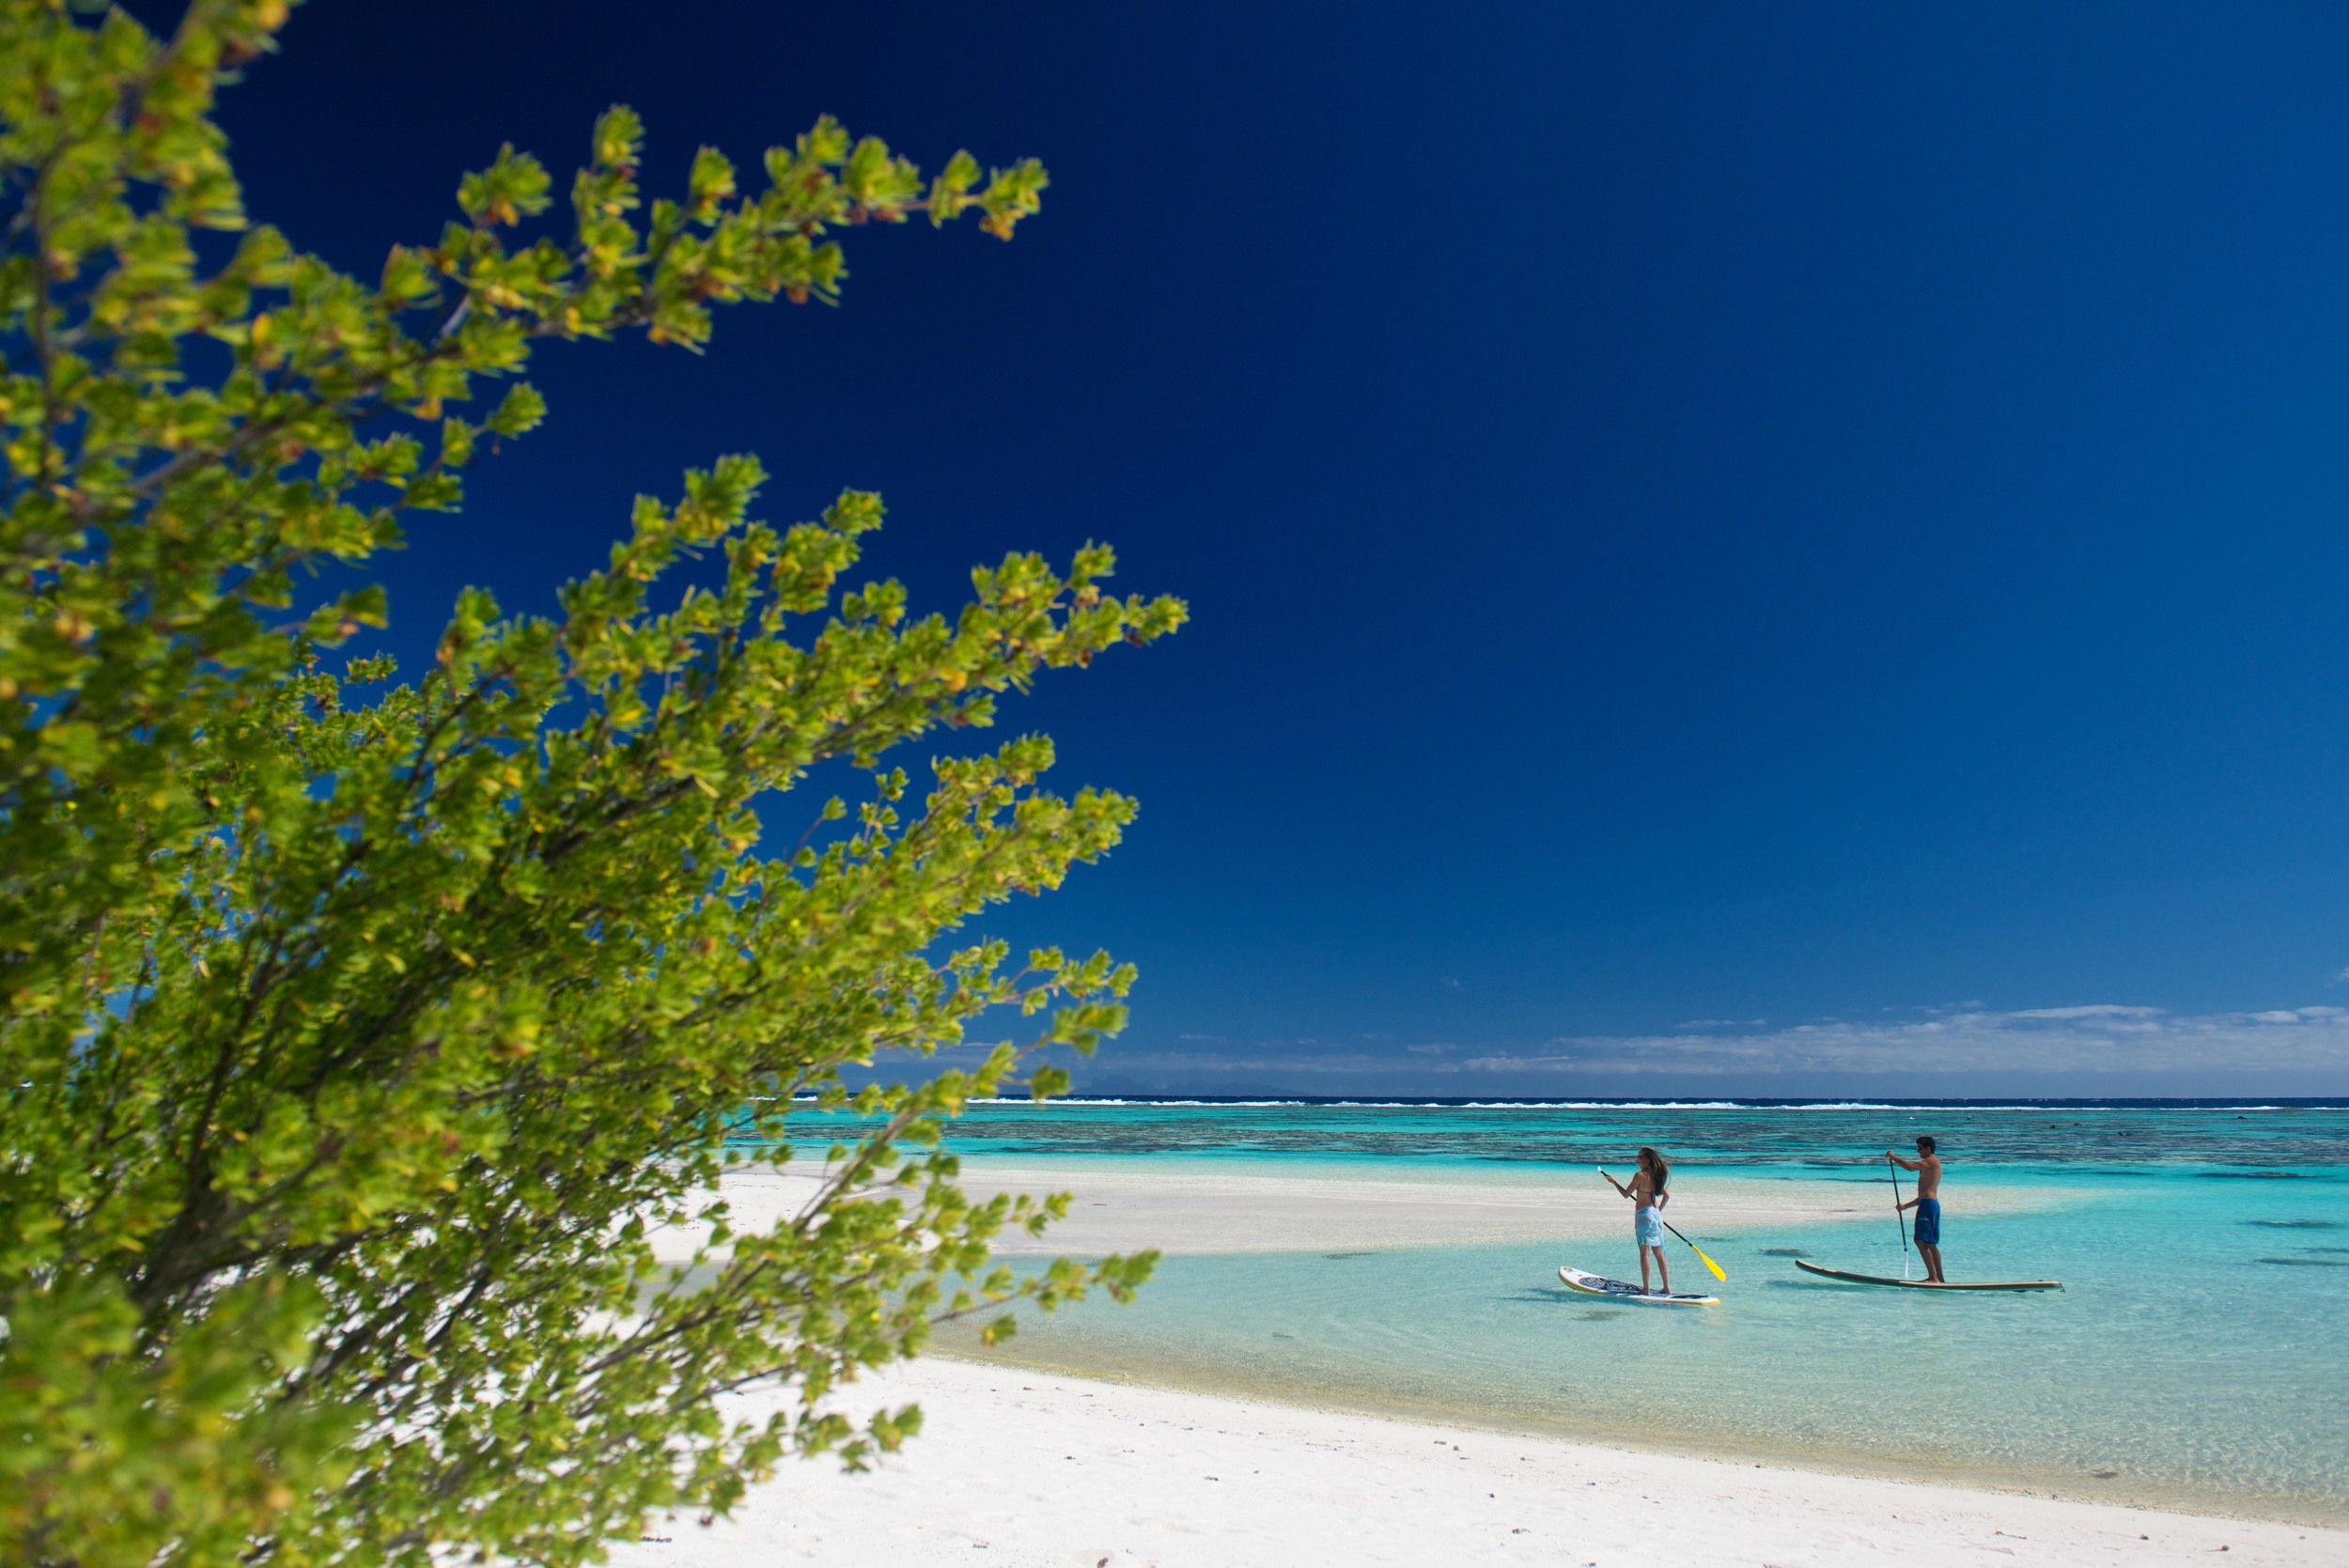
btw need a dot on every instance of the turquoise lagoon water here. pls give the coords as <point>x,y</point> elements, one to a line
<point>2196,1358</point>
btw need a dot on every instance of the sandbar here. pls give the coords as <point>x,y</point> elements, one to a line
<point>1206,1206</point>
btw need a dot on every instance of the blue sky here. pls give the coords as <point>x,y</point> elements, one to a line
<point>1732,548</point>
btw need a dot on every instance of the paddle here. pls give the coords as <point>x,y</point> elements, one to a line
<point>1899,1218</point>
<point>1676,1230</point>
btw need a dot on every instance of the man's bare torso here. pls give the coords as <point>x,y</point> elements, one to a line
<point>1929,1178</point>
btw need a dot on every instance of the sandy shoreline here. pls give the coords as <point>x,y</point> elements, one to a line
<point>1205,1206</point>
<point>1023,1467</point>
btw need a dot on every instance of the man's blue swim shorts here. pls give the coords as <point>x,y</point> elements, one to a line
<point>1928,1230</point>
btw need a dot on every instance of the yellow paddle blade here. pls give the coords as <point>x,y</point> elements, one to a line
<point>1708,1262</point>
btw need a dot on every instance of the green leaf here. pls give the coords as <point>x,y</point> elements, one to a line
<point>519,411</point>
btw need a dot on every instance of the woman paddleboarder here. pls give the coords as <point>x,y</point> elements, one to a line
<point>1648,1199</point>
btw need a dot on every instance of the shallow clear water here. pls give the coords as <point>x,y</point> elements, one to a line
<point>2195,1356</point>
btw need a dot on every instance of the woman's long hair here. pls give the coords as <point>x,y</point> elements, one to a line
<point>1657,1170</point>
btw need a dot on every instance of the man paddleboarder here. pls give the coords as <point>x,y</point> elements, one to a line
<point>1927,1204</point>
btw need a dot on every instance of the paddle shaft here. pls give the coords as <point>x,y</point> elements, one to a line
<point>1900,1216</point>
<point>1676,1230</point>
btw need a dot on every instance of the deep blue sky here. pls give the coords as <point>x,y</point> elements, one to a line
<point>1826,519</point>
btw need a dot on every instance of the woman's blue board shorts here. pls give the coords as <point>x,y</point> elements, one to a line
<point>1929,1222</point>
<point>1647,1227</point>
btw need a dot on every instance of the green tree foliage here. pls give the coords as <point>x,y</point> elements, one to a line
<point>353,1034</point>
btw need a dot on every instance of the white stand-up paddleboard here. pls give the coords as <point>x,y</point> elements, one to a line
<point>1622,1290</point>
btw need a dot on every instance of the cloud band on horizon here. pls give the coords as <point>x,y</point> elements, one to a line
<point>2103,1038</point>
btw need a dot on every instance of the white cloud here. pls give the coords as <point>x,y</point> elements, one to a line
<point>2102,1038</point>
<point>2099,1010</point>
<point>2110,1039</point>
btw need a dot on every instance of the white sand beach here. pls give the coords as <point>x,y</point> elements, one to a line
<point>1018,1467</point>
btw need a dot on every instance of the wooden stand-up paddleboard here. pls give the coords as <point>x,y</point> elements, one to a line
<point>1622,1290</point>
<point>1925,1284</point>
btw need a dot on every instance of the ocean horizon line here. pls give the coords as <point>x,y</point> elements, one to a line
<point>2020,1103</point>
